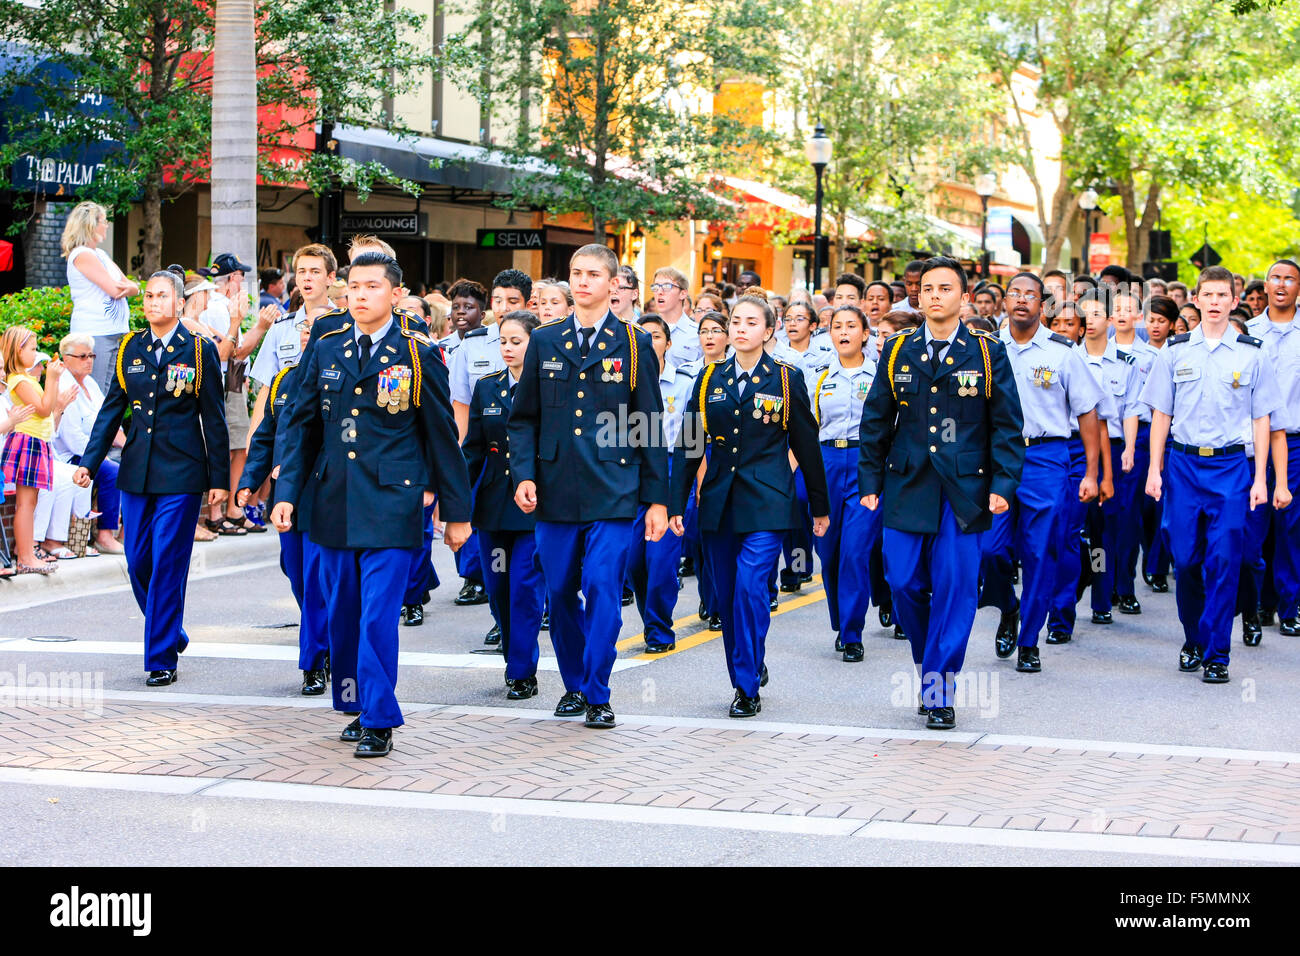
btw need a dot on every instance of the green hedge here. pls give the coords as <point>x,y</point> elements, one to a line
<point>48,311</point>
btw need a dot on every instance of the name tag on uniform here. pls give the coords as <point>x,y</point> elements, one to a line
<point>493,410</point>
<point>132,369</point>
<point>830,386</point>
<point>552,366</point>
<point>332,374</point>
<point>287,348</point>
<point>484,363</point>
<point>716,398</point>
<point>903,377</point>
<point>1186,373</point>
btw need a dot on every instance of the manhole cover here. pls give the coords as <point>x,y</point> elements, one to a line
<point>274,627</point>
<point>51,639</point>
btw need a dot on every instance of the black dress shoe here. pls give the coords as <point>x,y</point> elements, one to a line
<point>1008,630</point>
<point>1266,618</point>
<point>1102,617</point>
<point>941,718</point>
<point>326,665</point>
<point>352,732</point>
<point>313,683</point>
<point>805,578</point>
<point>1215,674</point>
<point>160,678</point>
<point>1128,604</point>
<point>898,633</point>
<point>412,615</point>
<point>1289,627</point>
<point>1159,583</point>
<point>521,688</point>
<point>628,596</point>
<point>1251,632</point>
<point>1190,660</point>
<point>715,622</point>
<point>762,677</point>
<point>791,587</point>
<point>853,653</point>
<point>886,617</point>
<point>839,644</point>
<point>600,717</point>
<point>921,709</point>
<point>374,742</point>
<point>472,593</point>
<point>572,704</point>
<point>742,706</point>
<point>686,568</point>
<point>704,611</point>
<point>771,605</point>
<point>1059,637</point>
<point>546,623</point>
<point>493,637</point>
<point>1027,661</point>
<point>660,648</point>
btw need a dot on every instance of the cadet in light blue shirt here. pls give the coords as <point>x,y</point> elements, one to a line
<point>1205,386</point>
<point>1054,388</point>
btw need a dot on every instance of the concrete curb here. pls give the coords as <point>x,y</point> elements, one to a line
<point>84,575</point>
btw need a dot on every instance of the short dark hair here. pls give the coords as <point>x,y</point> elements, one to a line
<point>718,318</point>
<point>981,323</point>
<point>901,319</point>
<point>270,276</point>
<point>1118,271</point>
<point>523,317</point>
<point>807,307</point>
<point>1042,289</point>
<point>514,279</point>
<point>649,318</point>
<point>1254,285</point>
<point>1164,306</point>
<point>392,271</point>
<point>1214,274</point>
<point>943,262</point>
<point>424,306</point>
<point>849,278</point>
<point>916,265</point>
<point>1052,274</point>
<point>469,289</point>
<point>985,291</point>
<point>1283,262</point>
<point>1086,280</point>
<point>750,274</point>
<point>898,284</point>
<point>889,290</point>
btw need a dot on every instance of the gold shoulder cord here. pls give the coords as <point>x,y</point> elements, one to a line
<point>198,364</point>
<point>893,358</point>
<point>631,341</point>
<point>704,394</point>
<point>988,370</point>
<point>785,398</point>
<point>415,363</point>
<point>121,352</point>
<point>275,388</point>
<point>817,397</point>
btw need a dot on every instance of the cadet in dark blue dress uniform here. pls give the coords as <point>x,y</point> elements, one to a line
<point>511,570</point>
<point>586,475</point>
<point>176,449</point>
<point>713,346</point>
<point>941,443</point>
<point>371,441</point>
<point>299,558</point>
<point>756,411</point>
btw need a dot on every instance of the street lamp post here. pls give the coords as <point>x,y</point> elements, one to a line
<point>818,151</point>
<point>715,257</point>
<point>985,186</point>
<point>1087,202</point>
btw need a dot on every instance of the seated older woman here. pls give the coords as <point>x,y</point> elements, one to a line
<point>78,354</point>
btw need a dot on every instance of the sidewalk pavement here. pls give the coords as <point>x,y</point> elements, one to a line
<point>84,575</point>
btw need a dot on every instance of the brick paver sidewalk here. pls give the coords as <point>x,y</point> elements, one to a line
<point>749,771</point>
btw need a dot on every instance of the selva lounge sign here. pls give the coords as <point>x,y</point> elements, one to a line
<point>510,238</point>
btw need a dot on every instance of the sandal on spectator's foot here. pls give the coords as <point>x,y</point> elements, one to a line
<point>42,554</point>
<point>8,571</point>
<point>227,527</point>
<point>63,554</point>
<point>115,547</point>
<point>90,552</point>
<point>203,534</point>
<point>37,569</point>
<point>248,526</point>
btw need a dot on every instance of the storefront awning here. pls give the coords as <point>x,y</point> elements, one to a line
<point>803,214</point>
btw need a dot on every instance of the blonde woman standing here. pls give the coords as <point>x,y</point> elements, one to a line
<point>98,287</point>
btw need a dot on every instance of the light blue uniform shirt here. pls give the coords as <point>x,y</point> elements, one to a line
<point>675,386</point>
<point>1053,381</point>
<point>1282,343</point>
<point>1144,357</point>
<point>1212,393</point>
<point>479,354</point>
<point>684,347</point>
<point>1120,383</point>
<point>280,348</point>
<point>837,395</point>
<point>818,355</point>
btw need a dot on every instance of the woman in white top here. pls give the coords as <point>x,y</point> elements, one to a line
<point>98,287</point>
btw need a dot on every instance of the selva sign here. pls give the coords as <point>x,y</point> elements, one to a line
<point>510,239</point>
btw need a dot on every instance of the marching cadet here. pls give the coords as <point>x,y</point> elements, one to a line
<point>1121,382</point>
<point>756,412</point>
<point>176,449</point>
<point>1053,386</point>
<point>652,565</point>
<point>1277,328</point>
<point>586,485</point>
<point>838,393</point>
<point>713,345</point>
<point>940,489</point>
<point>299,558</point>
<point>1126,310</point>
<point>1163,313</point>
<point>672,302</point>
<point>1204,386</point>
<point>372,442</point>
<point>511,572</point>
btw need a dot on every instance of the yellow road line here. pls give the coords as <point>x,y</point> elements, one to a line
<point>696,638</point>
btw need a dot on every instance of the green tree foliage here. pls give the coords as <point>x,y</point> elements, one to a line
<point>606,106</point>
<point>317,59</point>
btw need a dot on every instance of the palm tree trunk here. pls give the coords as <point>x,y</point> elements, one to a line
<point>234,133</point>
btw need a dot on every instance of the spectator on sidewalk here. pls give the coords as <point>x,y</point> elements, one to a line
<point>10,415</point>
<point>272,282</point>
<point>78,353</point>
<point>99,289</point>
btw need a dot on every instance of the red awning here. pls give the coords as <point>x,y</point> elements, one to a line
<point>6,256</point>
